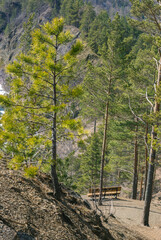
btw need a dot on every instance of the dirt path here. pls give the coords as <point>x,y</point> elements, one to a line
<point>130,212</point>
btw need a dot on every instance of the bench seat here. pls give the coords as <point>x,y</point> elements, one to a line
<point>111,191</point>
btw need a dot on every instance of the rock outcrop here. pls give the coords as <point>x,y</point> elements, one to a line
<point>10,39</point>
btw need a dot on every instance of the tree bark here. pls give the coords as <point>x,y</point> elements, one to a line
<point>104,144</point>
<point>135,176</point>
<point>141,184</point>
<point>146,160</point>
<point>95,125</point>
<point>149,188</point>
<point>56,186</point>
<point>148,194</point>
<point>103,153</point>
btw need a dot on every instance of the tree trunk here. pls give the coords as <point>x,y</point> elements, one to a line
<point>103,153</point>
<point>56,186</point>
<point>149,188</point>
<point>146,160</point>
<point>148,194</point>
<point>135,176</point>
<point>104,144</point>
<point>141,184</point>
<point>95,125</point>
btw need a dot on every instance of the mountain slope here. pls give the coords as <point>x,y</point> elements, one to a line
<point>113,6</point>
<point>29,211</point>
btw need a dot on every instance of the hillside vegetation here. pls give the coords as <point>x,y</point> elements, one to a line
<point>29,211</point>
<point>73,65</point>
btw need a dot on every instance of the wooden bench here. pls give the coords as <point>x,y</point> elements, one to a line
<point>106,191</point>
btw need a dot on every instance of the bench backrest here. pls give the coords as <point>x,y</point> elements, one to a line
<point>105,189</point>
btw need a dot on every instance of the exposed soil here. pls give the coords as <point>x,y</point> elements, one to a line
<point>29,211</point>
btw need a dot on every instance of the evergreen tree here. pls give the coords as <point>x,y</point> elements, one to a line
<point>148,12</point>
<point>141,74</point>
<point>39,99</point>
<point>88,17</point>
<point>90,162</point>
<point>71,11</point>
<point>104,83</point>
<point>99,31</point>
<point>56,5</point>
<point>26,38</point>
<point>104,88</point>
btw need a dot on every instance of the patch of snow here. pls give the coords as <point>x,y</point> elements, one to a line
<point>2,92</point>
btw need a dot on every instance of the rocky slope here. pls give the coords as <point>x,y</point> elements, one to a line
<point>12,18</point>
<point>112,6</point>
<point>10,40</point>
<point>29,211</point>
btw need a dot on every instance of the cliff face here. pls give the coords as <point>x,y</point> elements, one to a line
<point>13,15</point>
<point>11,29</point>
<point>112,6</point>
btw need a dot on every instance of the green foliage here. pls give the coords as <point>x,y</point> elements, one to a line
<point>98,33</point>
<point>26,38</point>
<point>88,17</point>
<point>107,82</point>
<point>41,88</point>
<point>148,13</point>
<point>71,11</point>
<point>89,160</point>
<point>31,171</point>
<point>125,48</point>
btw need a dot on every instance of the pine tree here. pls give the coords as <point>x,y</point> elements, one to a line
<point>104,82</point>
<point>148,12</point>
<point>99,29</point>
<point>26,38</point>
<point>90,162</point>
<point>39,98</point>
<point>88,17</point>
<point>71,11</point>
<point>141,74</point>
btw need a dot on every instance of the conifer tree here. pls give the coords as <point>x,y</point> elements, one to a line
<point>90,162</point>
<point>149,12</point>
<point>98,33</point>
<point>71,11</point>
<point>88,17</point>
<point>103,82</point>
<point>39,99</point>
<point>26,38</point>
<point>57,5</point>
<point>141,75</point>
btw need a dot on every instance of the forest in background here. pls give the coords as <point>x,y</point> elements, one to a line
<point>119,82</point>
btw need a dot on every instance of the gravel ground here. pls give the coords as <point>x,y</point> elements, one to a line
<point>129,212</point>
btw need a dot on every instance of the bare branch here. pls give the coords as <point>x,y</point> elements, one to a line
<point>157,63</point>
<point>148,99</point>
<point>146,144</point>
<point>134,113</point>
<point>124,170</point>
